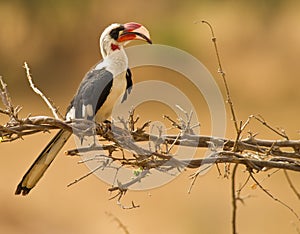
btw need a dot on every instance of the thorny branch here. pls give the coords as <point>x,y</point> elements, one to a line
<point>254,153</point>
<point>223,75</point>
<point>258,154</point>
<point>239,127</point>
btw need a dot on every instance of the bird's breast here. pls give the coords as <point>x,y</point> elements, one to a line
<point>115,96</point>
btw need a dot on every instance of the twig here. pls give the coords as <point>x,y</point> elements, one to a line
<point>122,187</point>
<point>122,190</point>
<point>242,187</point>
<point>174,124</point>
<point>37,91</point>
<point>119,222</point>
<point>262,121</point>
<point>221,71</point>
<point>274,198</point>
<point>132,206</point>
<point>172,145</point>
<point>291,184</point>
<point>6,100</point>
<point>269,175</point>
<point>131,120</point>
<point>234,199</point>
<point>195,176</point>
<point>86,175</point>
<point>78,151</point>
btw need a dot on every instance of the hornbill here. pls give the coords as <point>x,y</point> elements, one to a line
<point>97,93</point>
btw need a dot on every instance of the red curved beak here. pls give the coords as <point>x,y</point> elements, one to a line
<point>134,31</point>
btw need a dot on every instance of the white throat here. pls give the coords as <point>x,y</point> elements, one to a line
<point>116,62</point>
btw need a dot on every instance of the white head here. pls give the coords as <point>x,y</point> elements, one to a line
<point>115,36</point>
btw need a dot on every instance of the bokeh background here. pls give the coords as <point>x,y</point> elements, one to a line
<point>259,42</point>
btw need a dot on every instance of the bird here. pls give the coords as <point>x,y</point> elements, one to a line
<point>97,93</point>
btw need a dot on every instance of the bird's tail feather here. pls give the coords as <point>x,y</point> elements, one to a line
<point>43,161</point>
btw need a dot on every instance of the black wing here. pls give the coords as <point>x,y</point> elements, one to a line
<point>129,84</point>
<point>93,91</point>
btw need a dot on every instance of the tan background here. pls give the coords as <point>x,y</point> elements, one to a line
<point>260,48</point>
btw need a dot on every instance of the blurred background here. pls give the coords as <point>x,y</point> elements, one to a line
<point>259,42</point>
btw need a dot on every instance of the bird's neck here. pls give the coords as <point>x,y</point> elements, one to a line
<point>116,61</point>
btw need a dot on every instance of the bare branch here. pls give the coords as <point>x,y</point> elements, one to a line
<point>223,75</point>
<point>86,175</point>
<point>124,187</point>
<point>234,199</point>
<point>5,97</point>
<point>274,198</point>
<point>10,110</point>
<point>291,184</point>
<point>196,174</point>
<point>174,124</point>
<point>262,121</point>
<point>256,153</point>
<point>37,91</point>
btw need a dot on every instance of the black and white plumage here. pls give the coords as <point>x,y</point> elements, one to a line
<point>101,87</point>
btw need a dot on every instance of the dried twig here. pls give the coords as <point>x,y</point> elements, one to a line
<point>119,222</point>
<point>194,177</point>
<point>262,121</point>
<point>5,97</point>
<point>222,73</point>
<point>238,127</point>
<point>241,188</point>
<point>37,91</point>
<point>174,124</point>
<point>233,199</point>
<point>121,192</point>
<point>291,184</point>
<point>274,198</point>
<point>124,187</point>
<point>86,175</point>
<point>10,110</point>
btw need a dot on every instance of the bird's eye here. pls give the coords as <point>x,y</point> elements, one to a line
<point>115,33</point>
